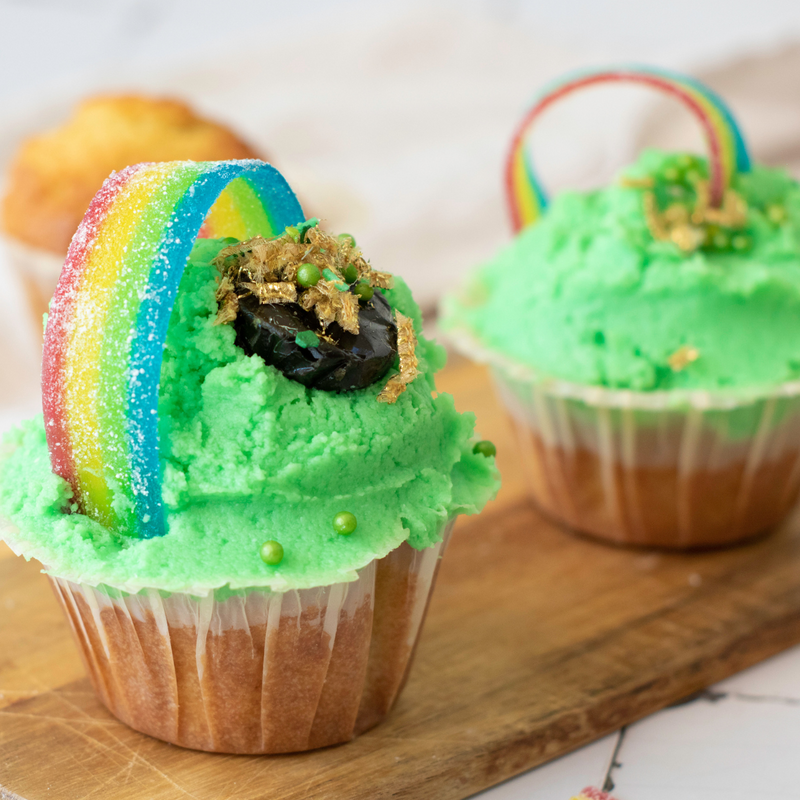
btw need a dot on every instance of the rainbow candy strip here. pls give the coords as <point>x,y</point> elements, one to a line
<point>108,321</point>
<point>727,150</point>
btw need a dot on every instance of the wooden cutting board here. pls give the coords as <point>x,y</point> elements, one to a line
<point>536,643</point>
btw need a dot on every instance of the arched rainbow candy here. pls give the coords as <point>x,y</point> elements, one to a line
<point>108,321</point>
<point>727,150</point>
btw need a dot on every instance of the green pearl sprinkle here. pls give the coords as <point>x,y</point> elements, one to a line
<point>672,174</point>
<point>344,523</point>
<point>721,241</point>
<point>351,273</point>
<point>364,292</point>
<point>271,552</point>
<point>485,448</point>
<point>345,236</point>
<point>308,275</point>
<point>776,214</point>
<point>293,233</point>
<point>741,242</point>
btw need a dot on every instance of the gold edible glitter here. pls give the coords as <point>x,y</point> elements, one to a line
<point>687,237</point>
<point>347,312</point>
<point>321,298</point>
<point>653,218</point>
<point>682,357</point>
<point>380,280</point>
<point>267,268</point>
<point>686,226</point>
<point>406,349</point>
<point>272,292</point>
<point>331,305</point>
<point>636,183</point>
<point>731,214</point>
<point>228,309</point>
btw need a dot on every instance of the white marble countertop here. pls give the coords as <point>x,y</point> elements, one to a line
<point>735,741</point>
<point>438,92</point>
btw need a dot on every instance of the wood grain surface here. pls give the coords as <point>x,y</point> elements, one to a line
<point>537,642</point>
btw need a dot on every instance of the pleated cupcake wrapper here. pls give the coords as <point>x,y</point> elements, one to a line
<point>257,671</point>
<point>676,468</point>
<point>37,269</point>
<point>670,477</point>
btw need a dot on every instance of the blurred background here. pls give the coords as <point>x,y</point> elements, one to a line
<point>391,120</point>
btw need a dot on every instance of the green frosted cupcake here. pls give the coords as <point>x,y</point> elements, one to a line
<point>303,525</point>
<point>645,337</point>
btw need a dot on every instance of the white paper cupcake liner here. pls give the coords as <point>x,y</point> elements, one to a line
<point>677,468</point>
<point>256,671</point>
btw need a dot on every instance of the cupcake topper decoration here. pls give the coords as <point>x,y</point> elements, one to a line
<point>727,151</point>
<point>310,305</point>
<point>109,316</point>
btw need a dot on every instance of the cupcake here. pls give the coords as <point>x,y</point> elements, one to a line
<point>54,175</point>
<point>645,338</point>
<point>244,482</point>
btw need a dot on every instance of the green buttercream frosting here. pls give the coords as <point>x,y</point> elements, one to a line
<point>589,295</point>
<point>250,456</point>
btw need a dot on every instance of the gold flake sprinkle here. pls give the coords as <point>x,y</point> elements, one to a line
<point>331,305</point>
<point>406,346</point>
<point>687,226</point>
<point>687,237</point>
<point>228,309</point>
<point>653,218</point>
<point>347,311</point>
<point>682,357</point>
<point>290,272</point>
<point>227,302</point>
<point>702,202</point>
<point>732,213</point>
<point>676,214</point>
<point>283,292</point>
<point>321,298</point>
<point>636,183</point>
<point>225,287</point>
<point>380,280</point>
<point>267,268</point>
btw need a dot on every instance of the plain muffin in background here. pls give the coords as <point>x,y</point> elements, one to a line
<point>55,174</point>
